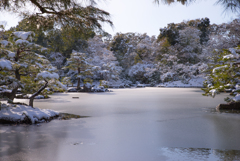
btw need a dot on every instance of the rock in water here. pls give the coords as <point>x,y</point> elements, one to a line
<point>229,106</point>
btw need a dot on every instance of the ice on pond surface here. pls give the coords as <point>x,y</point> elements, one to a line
<point>139,124</point>
<point>199,154</point>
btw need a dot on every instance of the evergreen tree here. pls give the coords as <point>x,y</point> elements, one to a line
<point>67,13</point>
<point>26,64</point>
<point>223,73</point>
<point>77,62</point>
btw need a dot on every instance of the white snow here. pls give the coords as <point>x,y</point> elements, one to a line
<point>140,85</point>
<point>17,113</point>
<point>23,35</point>
<point>213,91</point>
<point>11,54</point>
<point>20,41</point>
<point>36,97</point>
<point>233,51</point>
<point>217,68</point>
<point>49,75</point>
<point>99,89</point>
<point>168,74</point>
<point>52,69</point>
<point>5,91</point>
<point>42,49</point>
<point>39,97</point>
<point>88,85</point>
<point>39,65</point>
<point>61,85</point>
<point>236,98</point>
<point>229,56</point>
<point>195,82</point>
<point>5,64</point>
<point>4,42</point>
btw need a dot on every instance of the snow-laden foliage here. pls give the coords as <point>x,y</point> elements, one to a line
<point>78,66</point>
<point>24,35</point>
<point>183,72</point>
<point>102,60</point>
<point>56,58</point>
<point>47,75</point>
<point>24,68</point>
<point>95,63</point>
<point>224,74</point>
<point>144,72</point>
<point>5,64</point>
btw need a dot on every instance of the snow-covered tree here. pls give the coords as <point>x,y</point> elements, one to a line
<point>56,58</point>
<point>104,64</point>
<point>224,76</point>
<point>133,48</point>
<point>26,64</point>
<point>66,80</point>
<point>17,50</point>
<point>78,64</point>
<point>144,72</point>
<point>67,13</point>
<point>189,46</point>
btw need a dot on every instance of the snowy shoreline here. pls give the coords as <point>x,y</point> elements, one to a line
<point>15,113</point>
<point>18,114</point>
<point>180,86</point>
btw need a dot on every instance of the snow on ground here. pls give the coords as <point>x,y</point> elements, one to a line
<point>195,82</point>
<point>141,85</point>
<point>19,113</point>
<point>99,89</point>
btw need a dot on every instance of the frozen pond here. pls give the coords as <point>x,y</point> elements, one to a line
<point>149,124</point>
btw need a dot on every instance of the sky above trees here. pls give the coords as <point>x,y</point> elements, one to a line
<point>144,16</point>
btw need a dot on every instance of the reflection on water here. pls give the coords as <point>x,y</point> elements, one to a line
<point>199,154</point>
<point>37,142</point>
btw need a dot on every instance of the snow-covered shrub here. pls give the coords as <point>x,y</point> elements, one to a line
<point>57,59</point>
<point>102,60</point>
<point>104,83</point>
<point>78,66</point>
<point>144,72</point>
<point>224,75</point>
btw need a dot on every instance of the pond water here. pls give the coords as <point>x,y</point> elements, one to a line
<point>147,124</point>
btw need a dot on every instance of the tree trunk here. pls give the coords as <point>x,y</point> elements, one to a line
<point>13,93</point>
<point>37,93</point>
<point>79,79</point>
<point>78,83</point>
<point>31,101</point>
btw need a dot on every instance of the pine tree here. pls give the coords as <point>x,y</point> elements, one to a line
<point>77,62</point>
<point>26,64</point>
<point>67,13</point>
<point>223,75</point>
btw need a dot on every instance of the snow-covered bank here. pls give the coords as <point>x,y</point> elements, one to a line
<point>193,83</point>
<point>12,113</point>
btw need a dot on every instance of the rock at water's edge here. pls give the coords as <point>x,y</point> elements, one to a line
<point>229,106</point>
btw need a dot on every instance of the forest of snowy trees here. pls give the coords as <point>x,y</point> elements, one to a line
<point>33,59</point>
